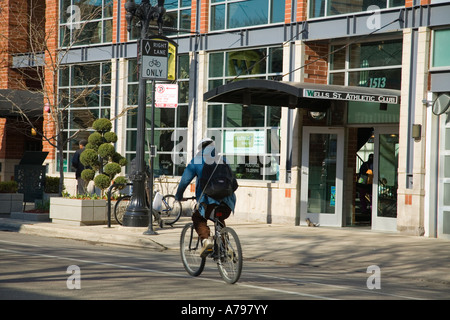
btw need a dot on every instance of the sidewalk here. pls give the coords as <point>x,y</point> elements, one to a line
<point>327,249</point>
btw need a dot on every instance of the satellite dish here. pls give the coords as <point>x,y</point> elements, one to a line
<point>441,104</point>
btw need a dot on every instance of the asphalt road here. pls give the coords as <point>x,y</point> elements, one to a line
<point>35,267</point>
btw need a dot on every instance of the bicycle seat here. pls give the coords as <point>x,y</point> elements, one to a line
<point>217,211</point>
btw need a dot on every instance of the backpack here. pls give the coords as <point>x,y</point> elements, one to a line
<point>217,180</point>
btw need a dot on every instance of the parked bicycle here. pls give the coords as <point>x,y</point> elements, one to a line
<point>168,214</point>
<point>226,251</point>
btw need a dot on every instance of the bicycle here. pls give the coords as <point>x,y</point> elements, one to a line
<point>226,251</point>
<point>170,212</point>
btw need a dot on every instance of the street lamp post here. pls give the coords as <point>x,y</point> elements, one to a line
<point>138,214</point>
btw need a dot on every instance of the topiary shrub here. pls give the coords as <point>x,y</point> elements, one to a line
<point>100,155</point>
<point>8,187</point>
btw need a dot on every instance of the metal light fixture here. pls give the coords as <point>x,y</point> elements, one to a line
<point>138,214</point>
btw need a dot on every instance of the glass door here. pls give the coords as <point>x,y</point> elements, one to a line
<point>385,182</point>
<point>322,176</point>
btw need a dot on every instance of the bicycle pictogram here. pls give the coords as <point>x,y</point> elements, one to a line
<point>154,63</point>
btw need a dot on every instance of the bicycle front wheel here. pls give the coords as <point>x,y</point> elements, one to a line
<point>120,208</point>
<point>230,255</point>
<point>190,251</point>
<point>171,209</point>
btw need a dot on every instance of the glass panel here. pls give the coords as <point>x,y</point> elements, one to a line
<point>163,165</point>
<point>185,3</point>
<point>447,192</point>
<point>247,13</point>
<point>64,6</point>
<point>237,115</point>
<point>316,8</point>
<point>446,222</point>
<point>441,58</point>
<point>447,139</point>
<point>183,66</point>
<point>322,173</point>
<point>131,141</point>
<point>376,54</point>
<point>185,19</point>
<point>214,84</point>
<point>271,168</point>
<point>215,116</point>
<point>107,31</point>
<point>216,64</point>
<point>387,171</point>
<point>89,33</point>
<point>246,167</point>
<point>387,79</point>
<point>369,112</point>
<point>337,78</point>
<point>277,11</point>
<point>447,167</point>
<point>396,3</point>
<point>337,59</point>
<point>274,116</point>
<point>182,116</point>
<point>163,139</point>
<point>108,9</point>
<point>246,62</point>
<point>275,60</point>
<point>183,92</point>
<point>88,74</point>
<point>341,7</point>
<point>164,117</point>
<point>82,119</point>
<point>218,17</point>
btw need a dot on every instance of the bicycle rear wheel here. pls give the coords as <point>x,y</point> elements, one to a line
<point>120,208</point>
<point>230,255</point>
<point>171,209</point>
<point>190,251</point>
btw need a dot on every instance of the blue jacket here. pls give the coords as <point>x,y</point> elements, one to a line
<point>194,169</point>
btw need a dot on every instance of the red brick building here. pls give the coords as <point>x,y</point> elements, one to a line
<point>318,44</point>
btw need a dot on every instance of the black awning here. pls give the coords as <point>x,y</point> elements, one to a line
<point>290,94</point>
<point>13,102</point>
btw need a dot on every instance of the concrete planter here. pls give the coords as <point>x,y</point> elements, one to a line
<point>11,202</point>
<point>78,212</point>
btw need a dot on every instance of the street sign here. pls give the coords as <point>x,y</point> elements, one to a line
<point>155,59</point>
<point>159,58</point>
<point>166,95</point>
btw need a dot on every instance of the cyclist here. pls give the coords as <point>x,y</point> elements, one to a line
<point>205,204</point>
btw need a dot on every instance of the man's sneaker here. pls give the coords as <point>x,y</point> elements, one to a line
<point>207,245</point>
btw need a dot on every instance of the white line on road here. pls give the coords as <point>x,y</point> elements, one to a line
<point>161,272</point>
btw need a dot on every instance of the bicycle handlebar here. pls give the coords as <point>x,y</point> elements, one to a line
<point>190,198</point>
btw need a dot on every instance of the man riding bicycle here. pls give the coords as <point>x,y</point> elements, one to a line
<point>206,153</point>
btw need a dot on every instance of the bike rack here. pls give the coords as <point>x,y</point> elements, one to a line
<point>114,185</point>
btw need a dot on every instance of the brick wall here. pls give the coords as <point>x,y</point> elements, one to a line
<point>316,63</point>
<point>2,138</point>
<point>204,12</point>
<point>50,90</point>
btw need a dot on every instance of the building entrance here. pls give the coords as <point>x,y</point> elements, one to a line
<point>322,176</point>
<point>377,178</point>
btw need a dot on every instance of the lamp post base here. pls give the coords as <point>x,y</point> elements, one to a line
<point>135,219</point>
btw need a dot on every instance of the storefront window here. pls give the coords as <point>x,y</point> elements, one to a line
<point>441,46</point>
<point>170,123</point>
<point>229,14</point>
<point>249,136</point>
<point>372,64</point>
<point>322,8</point>
<point>85,22</point>
<point>84,95</point>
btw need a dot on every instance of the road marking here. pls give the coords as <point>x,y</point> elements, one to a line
<point>241,284</point>
<point>162,272</point>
